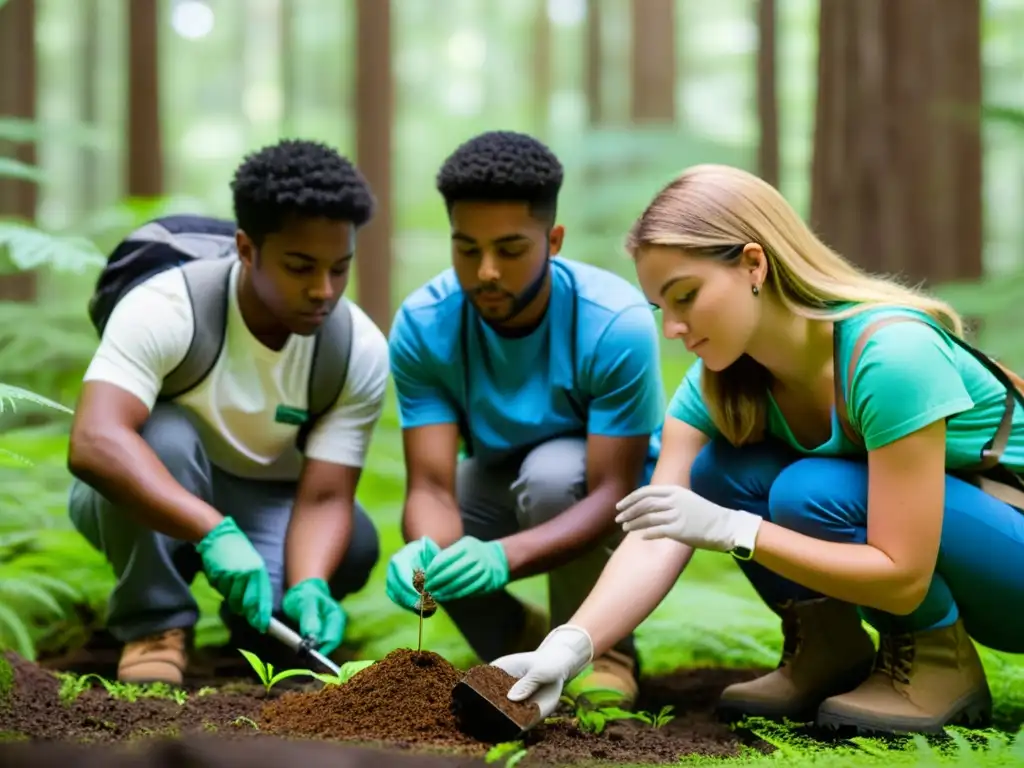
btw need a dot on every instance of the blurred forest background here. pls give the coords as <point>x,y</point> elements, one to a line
<point>895,126</point>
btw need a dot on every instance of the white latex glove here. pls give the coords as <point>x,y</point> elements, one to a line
<point>674,512</point>
<point>560,657</point>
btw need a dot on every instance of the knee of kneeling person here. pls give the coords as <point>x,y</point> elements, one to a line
<point>545,492</point>
<point>360,560</point>
<point>803,499</point>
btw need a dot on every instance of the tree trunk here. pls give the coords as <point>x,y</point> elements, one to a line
<point>896,174</point>
<point>767,99</point>
<point>592,66</point>
<point>89,58</point>
<point>145,171</point>
<point>541,60</point>
<point>374,117</point>
<point>653,92</point>
<point>18,99</point>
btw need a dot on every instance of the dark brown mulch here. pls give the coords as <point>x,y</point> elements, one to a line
<point>400,704</point>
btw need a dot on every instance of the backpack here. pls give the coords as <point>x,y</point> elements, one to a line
<point>205,250</point>
<point>987,473</point>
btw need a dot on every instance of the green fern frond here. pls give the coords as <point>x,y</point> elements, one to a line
<point>29,248</point>
<point>15,169</point>
<point>12,459</point>
<point>11,394</point>
<point>13,632</point>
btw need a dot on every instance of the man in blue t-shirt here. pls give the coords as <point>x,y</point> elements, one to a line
<point>548,370</point>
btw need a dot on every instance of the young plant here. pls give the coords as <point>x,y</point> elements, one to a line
<point>265,671</point>
<point>348,669</point>
<point>426,605</point>
<point>512,751</point>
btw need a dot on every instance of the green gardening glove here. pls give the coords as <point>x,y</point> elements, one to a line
<point>235,569</point>
<point>310,605</point>
<point>468,567</point>
<point>415,554</point>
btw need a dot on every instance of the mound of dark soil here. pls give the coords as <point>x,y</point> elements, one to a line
<point>403,698</point>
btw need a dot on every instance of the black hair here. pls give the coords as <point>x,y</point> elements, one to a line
<point>301,178</point>
<point>503,166</point>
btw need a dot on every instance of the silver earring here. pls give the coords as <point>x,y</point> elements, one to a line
<point>755,290</point>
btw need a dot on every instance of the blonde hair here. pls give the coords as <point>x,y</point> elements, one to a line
<point>709,209</point>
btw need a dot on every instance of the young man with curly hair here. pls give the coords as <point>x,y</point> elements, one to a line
<point>547,370</point>
<point>214,479</point>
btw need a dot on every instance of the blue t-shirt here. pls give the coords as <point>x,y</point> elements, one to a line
<point>908,376</point>
<point>520,388</point>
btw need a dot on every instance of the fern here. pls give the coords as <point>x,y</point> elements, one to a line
<point>30,248</point>
<point>12,394</point>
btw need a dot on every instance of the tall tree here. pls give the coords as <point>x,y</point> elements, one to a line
<point>897,165</point>
<point>145,165</point>
<point>767,98</point>
<point>18,99</point>
<point>593,64</point>
<point>374,112</point>
<point>653,93</point>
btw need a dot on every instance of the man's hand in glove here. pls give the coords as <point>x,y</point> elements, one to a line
<point>235,569</point>
<point>318,615</point>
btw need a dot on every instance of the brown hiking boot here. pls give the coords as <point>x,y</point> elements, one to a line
<point>159,658</point>
<point>826,651</point>
<point>921,683</point>
<point>610,682</point>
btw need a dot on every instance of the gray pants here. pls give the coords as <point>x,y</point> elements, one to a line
<point>154,571</point>
<point>497,501</point>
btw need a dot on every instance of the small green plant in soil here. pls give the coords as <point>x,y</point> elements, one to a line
<point>72,686</point>
<point>265,671</point>
<point>426,606</point>
<point>348,669</point>
<point>511,751</point>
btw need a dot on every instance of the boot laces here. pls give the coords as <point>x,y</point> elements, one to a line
<point>896,656</point>
<point>171,639</point>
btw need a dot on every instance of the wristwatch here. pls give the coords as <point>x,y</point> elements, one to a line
<point>746,536</point>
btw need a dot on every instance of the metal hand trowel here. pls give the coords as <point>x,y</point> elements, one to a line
<point>481,717</point>
<point>303,647</point>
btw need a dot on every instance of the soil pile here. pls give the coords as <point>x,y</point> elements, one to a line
<point>405,698</point>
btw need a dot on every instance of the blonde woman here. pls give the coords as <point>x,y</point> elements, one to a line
<point>829,437</point>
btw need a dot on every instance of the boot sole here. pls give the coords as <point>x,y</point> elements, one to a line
<point>737,710</point>
<point>972,710</point>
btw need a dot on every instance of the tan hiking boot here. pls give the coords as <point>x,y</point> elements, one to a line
<point>159,658</point>
<point>921,683</point>
<point>826,651</point>
<point>610,682</point>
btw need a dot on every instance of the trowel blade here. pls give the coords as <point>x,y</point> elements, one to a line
<point>479,717</point>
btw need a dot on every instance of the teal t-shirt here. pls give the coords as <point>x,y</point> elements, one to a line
<point>520,388</point>
<point>909,375</point>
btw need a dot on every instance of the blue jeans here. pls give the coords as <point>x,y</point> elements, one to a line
<point>979,575</point>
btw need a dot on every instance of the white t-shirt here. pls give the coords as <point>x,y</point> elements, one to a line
<point>233,408</point>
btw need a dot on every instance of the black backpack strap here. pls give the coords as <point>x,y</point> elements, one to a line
<point>331,352</point>
<point>207,283</point>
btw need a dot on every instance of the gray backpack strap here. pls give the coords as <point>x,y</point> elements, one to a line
<point>207,284</point>
<point>331,352</point>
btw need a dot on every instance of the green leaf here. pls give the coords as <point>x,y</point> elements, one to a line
<point>21,130</point>
<point>29,248</point>
<point>10,458</point>
<point>11,394</point>
<point>286,673</point>
<point>350,668</point>
<point>257,665</point>
<point>15,169</point>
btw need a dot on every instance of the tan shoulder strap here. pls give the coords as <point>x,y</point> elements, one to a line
<point>842,410</point>
<point>991,454</point>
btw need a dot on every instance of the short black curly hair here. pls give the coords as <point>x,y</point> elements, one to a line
<point>297,177</point>
<point>503,166</point>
